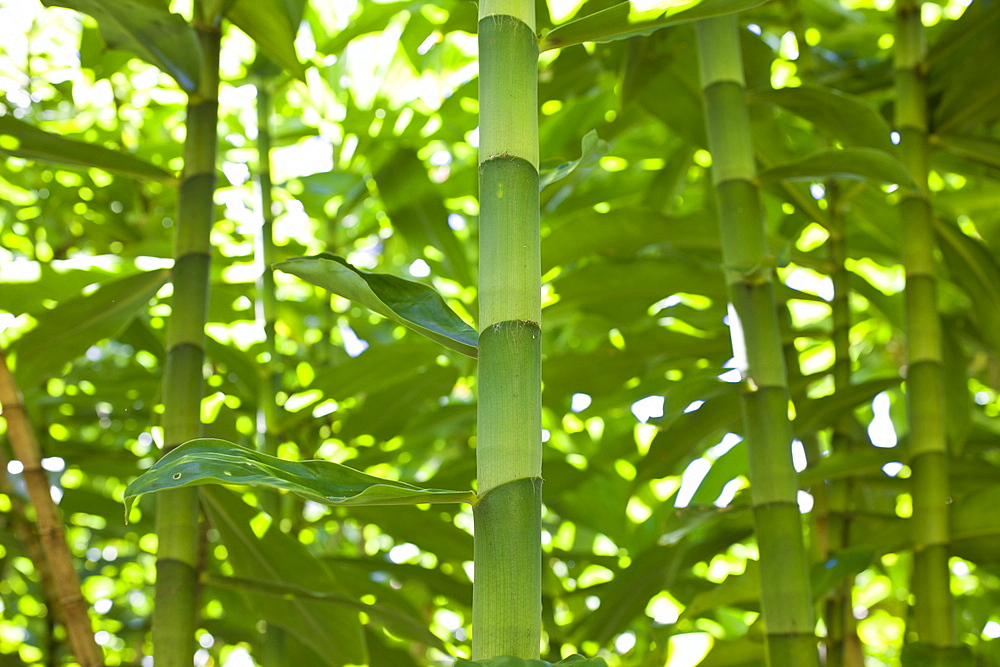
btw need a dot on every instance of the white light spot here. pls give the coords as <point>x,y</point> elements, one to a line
<point>352,344</point>
<point>456,222</point>
<point>894,137</point>
<point>581,402</point>
<point>880,430</point>
<point>403,552</point>
<point>693,405</point>
<point>206,640</point>
<point>624,642</point>
<point>592,602</point>
<point>817,191</point>
<point>692,478</point>
<point>53,464</point>
<point>15,467</point>
<point>102,606</point>
<point>546,434</point>
<point>755,29</point>
<point>806,502</point>
<point>798,456</point>
<point>991,630</point>
<point>102,637</point>
<point>420,269</point>
<point>440,158</point>
<point>892,468</point>
<point>729,492</point>
<point>239,657</point>
<point>734,376</point>
<point>689,649</point>
<point>648,408</point>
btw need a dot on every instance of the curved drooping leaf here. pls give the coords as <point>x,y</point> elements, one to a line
<point>628,19</point>
<point>975,269</point>
<point>511,661</point>
<point>414,305</point>
<point>148,30</point>
<point>66,331</point>
<point>592,148</point>
<point>23,140</point>
<point>849,119</point>
<point>272,24</point>
<point>865,164</point>
<point>210,461</point>
<point>984,150</point>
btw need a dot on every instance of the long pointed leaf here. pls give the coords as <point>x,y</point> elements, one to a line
<point>154,34</point>
<point>272,24</point>
<point>865,164</point>
<point>66,331</point>
<point>628,19</point>
<point>819,413</point>
<point>414,305</point>
<point>333,633</point>
<point>210,461</point>
<point>23,140</point>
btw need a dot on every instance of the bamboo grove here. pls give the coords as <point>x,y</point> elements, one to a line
<point>602,334</point>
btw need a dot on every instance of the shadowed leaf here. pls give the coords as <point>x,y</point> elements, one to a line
<point>412,304</point>
<point>865,164</point>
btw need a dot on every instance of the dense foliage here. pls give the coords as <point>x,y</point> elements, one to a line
<point>648,536</point>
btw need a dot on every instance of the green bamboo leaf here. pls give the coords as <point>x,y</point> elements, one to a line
<point>849,119</point>
<point>866,164</point>
<point>628,19</point>
<point>396,621</point>
<point>592,148</point>
<point>838,567</point>
<point>511,661</point>
<point>23,140</point>
<point>975,526</point>
<point>148,30</point>
<point>974,268</point>
<point>66,331</point>
<point>272,24</point>
<point>412,304</point>
<point>819,413</point>
<point>923,654</point>
<point>331,631</point>
<point>210,461</point>
<point>984,150</point>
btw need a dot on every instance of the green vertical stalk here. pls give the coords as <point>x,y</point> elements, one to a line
<point>786,600</point>
<point>175,615</point>
<point>932,612</point>
<point>506,616</point>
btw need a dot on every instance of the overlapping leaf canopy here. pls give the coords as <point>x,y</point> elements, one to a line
<point>375,163</point>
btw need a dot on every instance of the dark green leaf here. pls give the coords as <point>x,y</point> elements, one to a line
<point>838,567</point>
<point>412,304</point>
<point>511,661</point>
<point>628,19</point>
<point>921,654</point>
<point>975,269</point>
<point>273,25</point>
<point>848,119</point>
<point>149,31</point>
<point>984,150</point>
<point>66,331</point>
<point>20,139</point>
<point>333,632</point>
<point>209,461</point>
<point>851,163</point>
<point>396,621</point>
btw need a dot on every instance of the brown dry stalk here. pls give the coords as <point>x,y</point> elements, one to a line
<point>51,533</point>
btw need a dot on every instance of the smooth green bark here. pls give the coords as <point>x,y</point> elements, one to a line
<point>786,599</point>
<point>933,618</point>
<point>506,616</point>
<point>175,615</point>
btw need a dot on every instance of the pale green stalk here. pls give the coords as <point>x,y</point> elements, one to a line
<point>786,599</point>
<point>175,615</point>
<point>932,611</point>
<point>507,596</point>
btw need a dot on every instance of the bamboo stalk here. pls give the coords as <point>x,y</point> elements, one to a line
<point>507,594</point>
<point>932,610</point>
<point>175,615</point>
<point>51,532</point>
<point>786,599</point>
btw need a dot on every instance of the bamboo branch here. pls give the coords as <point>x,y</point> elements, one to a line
<point>51,533</point>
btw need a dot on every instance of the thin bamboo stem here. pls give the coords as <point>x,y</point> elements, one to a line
<point>507,593</point>
<point>932,611</point>
<point>51,533</point>
<point>175,615</point>
<point>786,599</point>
